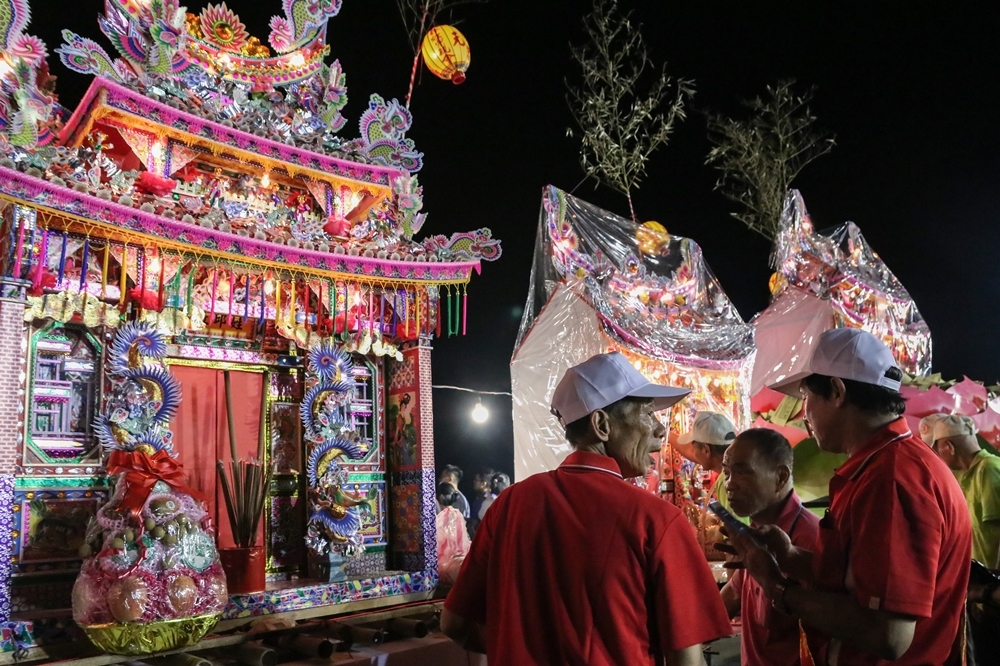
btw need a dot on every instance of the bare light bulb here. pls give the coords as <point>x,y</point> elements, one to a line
<point>480,413</point>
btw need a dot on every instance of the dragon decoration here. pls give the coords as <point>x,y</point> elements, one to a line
<point>29,113</point>
<point>160,37</point>
<point>334,513</point>
<point>144,395</point>
<point>210,60</point>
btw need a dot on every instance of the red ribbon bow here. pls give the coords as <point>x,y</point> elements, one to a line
<point>142,471</point>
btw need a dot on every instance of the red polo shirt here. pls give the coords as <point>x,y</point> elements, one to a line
<point>576,566</point>
<point>899,538</point>
<point>770,637</point>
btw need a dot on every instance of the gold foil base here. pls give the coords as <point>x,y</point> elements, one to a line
<point>150,637</point>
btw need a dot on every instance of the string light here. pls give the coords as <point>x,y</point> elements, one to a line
<point>479,413</point>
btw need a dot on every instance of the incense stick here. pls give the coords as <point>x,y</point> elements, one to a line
<point>246,485</point>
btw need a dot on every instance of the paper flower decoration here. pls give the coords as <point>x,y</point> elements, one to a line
<point>221,27</point>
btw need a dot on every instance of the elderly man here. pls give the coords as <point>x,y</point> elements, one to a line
<point>978,474</point>
<point>758,472</point>
<point>579,566</point>
<point>953,438</point>
<point>706,444</point>
<point>888,578</point>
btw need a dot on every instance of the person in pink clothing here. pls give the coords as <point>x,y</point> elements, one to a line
<point>452,538</point>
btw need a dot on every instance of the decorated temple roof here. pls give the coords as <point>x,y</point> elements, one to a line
<point>839,266</point>
<point>198,133</point>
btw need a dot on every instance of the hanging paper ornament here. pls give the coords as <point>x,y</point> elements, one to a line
<point>446,53</point>
<point>652,238</point>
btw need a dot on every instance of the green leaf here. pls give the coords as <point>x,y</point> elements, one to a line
<point>813,469</point>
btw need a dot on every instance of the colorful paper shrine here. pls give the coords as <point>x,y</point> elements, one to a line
<point>599,283</point>
<point>202,190</point>
<point>829,280</point>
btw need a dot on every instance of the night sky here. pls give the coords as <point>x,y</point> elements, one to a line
<point>910,90</point>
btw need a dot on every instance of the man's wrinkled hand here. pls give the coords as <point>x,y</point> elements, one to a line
<point>732,556</point>
<point>754,555</point>
<point>774,539</point>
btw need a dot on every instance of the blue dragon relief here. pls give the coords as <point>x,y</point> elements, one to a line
<point>334,513</point>
<point>144,395</point>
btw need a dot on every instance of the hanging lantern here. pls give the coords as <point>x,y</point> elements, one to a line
<point>446,53</point>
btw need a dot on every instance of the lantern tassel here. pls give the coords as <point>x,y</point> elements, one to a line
<point>62,259</point>
<point>122,279</point>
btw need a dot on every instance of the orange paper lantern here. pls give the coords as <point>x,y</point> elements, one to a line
<point>446,53</point>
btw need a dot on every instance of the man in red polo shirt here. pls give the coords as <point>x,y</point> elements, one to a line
<point>888,579</point>
<point>758,470</point>
<point>575,566</point>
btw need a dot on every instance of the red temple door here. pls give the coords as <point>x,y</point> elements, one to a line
<point>201,432</point>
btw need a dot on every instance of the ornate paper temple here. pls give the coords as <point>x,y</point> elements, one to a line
<point>204,188</point>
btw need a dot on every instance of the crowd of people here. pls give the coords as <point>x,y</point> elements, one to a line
<point>457,519</point>
<point>582,568</point>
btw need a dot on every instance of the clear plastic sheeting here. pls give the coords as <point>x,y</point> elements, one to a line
<point>652,290</point>
<point>840,266</point>
<point>565,333</point>
<point>786,333</point>
<point>599,283</point>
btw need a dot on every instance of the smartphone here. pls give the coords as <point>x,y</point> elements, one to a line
<point>729,520</point>
<point>980,575</point>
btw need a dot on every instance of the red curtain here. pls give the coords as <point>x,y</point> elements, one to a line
<point>201,432</point>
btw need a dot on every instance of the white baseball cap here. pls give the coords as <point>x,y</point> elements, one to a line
<point>927,427</point>
<point>602,380</point>
<point>847,353</point>
<point>953,426</point>
<point>710,428</point>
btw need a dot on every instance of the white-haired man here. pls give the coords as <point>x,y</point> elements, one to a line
<point>576,566</point>
<point>978,474</point>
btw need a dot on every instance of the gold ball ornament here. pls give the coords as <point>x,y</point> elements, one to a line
<point>652,237</point>
<point>777,283</point>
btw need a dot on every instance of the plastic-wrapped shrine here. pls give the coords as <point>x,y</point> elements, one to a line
<point>599,282</point>
<point>202,187</point>
<point>829,280</point>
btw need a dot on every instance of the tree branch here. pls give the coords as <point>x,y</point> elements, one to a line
<point>759,158</point>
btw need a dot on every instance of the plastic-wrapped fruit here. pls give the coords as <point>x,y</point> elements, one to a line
<point>150,523</point>
<point>127,599</point>
<point>118,543</point>
<point>182,593</point>
<point>158,532</point>
<point>163,507</point>
<point>217,588</point>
